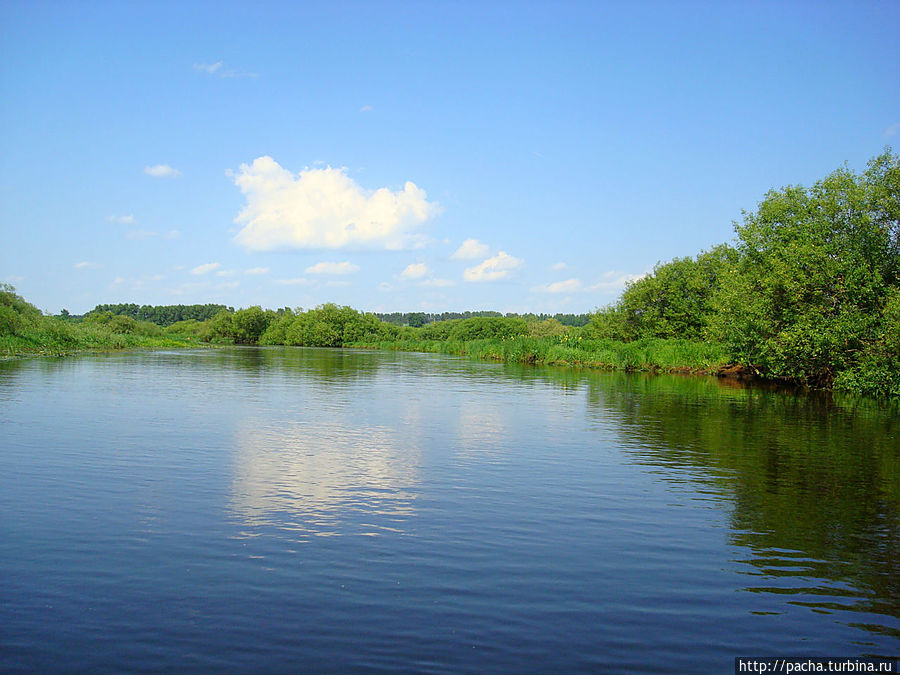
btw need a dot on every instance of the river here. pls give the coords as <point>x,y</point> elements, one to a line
<point>289,509</point>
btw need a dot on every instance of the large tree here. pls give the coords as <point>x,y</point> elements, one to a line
<point>813,290</point>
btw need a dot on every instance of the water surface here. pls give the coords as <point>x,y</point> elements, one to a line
<point>272,509</point>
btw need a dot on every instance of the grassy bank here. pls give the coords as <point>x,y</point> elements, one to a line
<point>653,355</point>
<point>56,338</point>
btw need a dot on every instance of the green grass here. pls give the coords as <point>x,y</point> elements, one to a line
<point>652,355</point>
<point>48,336</point>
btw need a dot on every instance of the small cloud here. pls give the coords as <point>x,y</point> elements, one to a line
<point>437,283</point>
<point>366,108</point>
<point>84,265</point>
<point>297,281</point>
<point>559,266</point>
<point>257,270</point>
<point>205,268</point>
<point>332,268</point>
<point>492,269</point>
<point>384,287</point>
<point>892,130</point>
<point>157,277</point>
<point>225,273</point>
<point>414,271</point>
<point>470,250</point>
<point>162,171</point>
<point>209,68</point>
<point>217,69</point>
<point>172,234</point>
<point>122,220</point>
<point>567,286</point>
<point>118,280</point>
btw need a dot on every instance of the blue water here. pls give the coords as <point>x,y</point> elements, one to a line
<point>286,509</point>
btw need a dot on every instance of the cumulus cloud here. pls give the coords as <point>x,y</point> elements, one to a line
<point>85,265</point>
<point>324,208</point>
<point>161,171</point>
<point>257,270</point>
<point>206,268</point>
<point>122,220</point>
<point>414,271</point>
<point>332,268</point>
<point>470,250</point>
<point>492,269</point>
<point>567,286</point>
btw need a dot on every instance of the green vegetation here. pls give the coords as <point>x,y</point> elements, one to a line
<point>809,294</point>
<point>163,315</point>
<point>25,330</point>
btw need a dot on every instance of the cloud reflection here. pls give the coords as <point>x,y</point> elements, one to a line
<point>324,479</point>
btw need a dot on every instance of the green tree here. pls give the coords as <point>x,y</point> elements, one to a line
<point>811,293</point>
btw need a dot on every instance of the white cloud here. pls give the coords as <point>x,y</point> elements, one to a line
<point>470,249</point>
<point>209,68</point>
<point>297,281</point>
<point>206,268</point>
<point>414,271</point>
<point>257,270</point>
<point>324,208</point>
<point>559,266</point>
<point>332,268</point>
<point>122,220</point>
<point>172,234</point>
<point>225,273</point>
<point>567,286</point>
<point>498,267</point>
<point>84,265</point>
<point>161,171</point>
<point>366,108</point>
<point>892,130</point>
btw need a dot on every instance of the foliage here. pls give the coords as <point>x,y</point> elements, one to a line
<point>483,327</point>
<point>674,301</point>
<point>812,293</point>
<point>328,325</point>
<point>16,314</point>
<point>163,315</point>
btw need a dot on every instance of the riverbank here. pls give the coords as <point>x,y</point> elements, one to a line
<point>649,355</point>
<point>56,338</point>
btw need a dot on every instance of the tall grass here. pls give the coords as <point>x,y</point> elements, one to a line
<point>50,336</point>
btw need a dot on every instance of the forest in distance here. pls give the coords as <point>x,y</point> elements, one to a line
<point>808,293</point>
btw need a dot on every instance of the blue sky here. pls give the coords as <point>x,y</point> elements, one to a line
<point>405,156</point>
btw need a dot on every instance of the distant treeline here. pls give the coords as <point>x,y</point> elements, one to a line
<point>418,319</point>
<point>162,315</point>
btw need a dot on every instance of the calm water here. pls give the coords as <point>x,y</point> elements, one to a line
<point>291,509</point>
